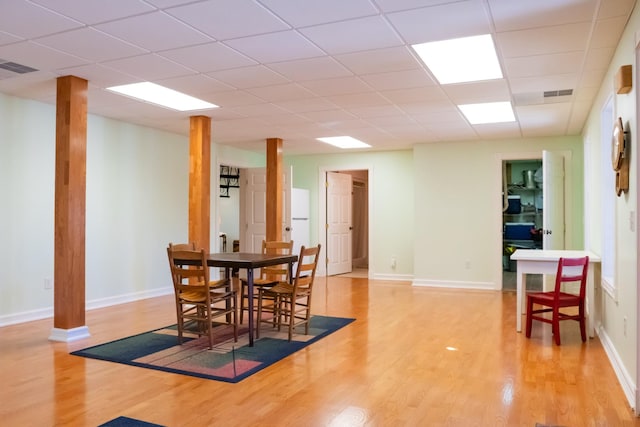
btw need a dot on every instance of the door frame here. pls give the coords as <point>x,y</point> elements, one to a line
<point>500,158</point>
<point>322,212</point>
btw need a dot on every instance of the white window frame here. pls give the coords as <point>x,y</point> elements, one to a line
<point>608,199</point>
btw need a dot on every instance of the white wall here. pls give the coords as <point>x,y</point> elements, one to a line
<point>137,202</point>
<point>391,206</point>
<point>616,310</point>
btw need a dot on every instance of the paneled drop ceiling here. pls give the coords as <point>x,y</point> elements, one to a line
<point>302,69</point>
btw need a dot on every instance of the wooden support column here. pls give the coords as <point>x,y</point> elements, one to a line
<point>274,189</point>
<point>70,210</point>
<point>199,180</point>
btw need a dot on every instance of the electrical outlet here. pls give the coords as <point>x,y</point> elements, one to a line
<point>393,262</point>
<point>467,265</point>
<point>47,283</point>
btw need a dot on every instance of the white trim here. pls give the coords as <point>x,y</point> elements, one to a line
<point>454,284</point>
<point>69,335</point>
<point>393,277</point>
<point>46,313</point>
<point>624,377</point>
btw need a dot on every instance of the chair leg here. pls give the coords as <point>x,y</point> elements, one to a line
<point>583,332</point>
<point>529,318</point>
<point>556,325</point>
<point>242,298</point>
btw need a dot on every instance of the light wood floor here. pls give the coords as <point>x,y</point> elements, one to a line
<point>414,357</point>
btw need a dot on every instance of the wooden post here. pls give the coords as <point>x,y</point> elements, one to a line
<point>274,189</point>
<point>70,210</point>
<point>199,180</point>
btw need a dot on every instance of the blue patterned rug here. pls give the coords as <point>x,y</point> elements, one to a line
<point>128,422</point>
<point>228,361</point>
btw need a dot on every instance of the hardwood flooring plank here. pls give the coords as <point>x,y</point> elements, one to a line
<point>414,356</point>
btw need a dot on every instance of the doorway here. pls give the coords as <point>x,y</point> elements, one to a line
<point>522,220</point>
<point>359,236</point>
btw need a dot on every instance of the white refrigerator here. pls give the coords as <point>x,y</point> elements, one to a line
<point>299,218</point>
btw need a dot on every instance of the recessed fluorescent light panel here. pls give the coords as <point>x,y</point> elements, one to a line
<point>344,142</point>
<point>490,112</point>
<point>467,59</point>
<point>160,95</point>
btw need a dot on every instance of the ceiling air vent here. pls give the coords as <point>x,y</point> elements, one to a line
<point>562,92</point>
<point>16,68</point>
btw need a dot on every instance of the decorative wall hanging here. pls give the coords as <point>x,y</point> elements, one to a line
<point>619,159</point>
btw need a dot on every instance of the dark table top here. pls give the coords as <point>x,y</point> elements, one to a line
<point>248,260</point>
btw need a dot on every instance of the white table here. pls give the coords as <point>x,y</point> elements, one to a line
<point>533,261</point>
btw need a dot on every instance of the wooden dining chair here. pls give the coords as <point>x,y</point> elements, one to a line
<point>570,270</point>
<point>268,276</point>
<point>198,302</point>
<point>290,303</point>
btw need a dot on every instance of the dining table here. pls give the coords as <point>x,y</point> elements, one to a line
<point>249,261</point>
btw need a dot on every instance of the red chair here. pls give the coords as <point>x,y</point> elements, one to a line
<point>569,270</point>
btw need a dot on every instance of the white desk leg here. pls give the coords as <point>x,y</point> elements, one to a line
<point>520,279</point>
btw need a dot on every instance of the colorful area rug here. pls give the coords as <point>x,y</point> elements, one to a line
<point>228,361</point>
<point>128,422</point>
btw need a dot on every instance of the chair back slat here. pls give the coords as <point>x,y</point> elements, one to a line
<point>571,270</point>
<point>276,272</point>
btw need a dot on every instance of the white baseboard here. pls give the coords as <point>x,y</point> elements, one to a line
<point>484,286</point>
<point>394,277</point>
<point>624,378</point>
<point>45,313</point>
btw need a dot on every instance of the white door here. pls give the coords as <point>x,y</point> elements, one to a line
<point>339,223</point>
<point>253,208</point>
<point>553,222</point>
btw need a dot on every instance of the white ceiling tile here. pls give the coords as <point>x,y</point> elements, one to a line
<point>259,110</point>
<point>442,22</point>
<point>328,116</point>
<point>95,11</point>
<point>439,117</point>
<point>149,67</point>
<point>194,84</point>
<point>397,5</point>
<point>531,66</point>
<point>39,85</point>
<point>609,9</point>
<point>376,111</point>
<point>597,59</point>
<point>399,79</point>
<point>38,56</point>
<point>234,98</point>
<point>323,67</point>
<point>227,19</point>
<point>83,42</point>
<point>379,60</point>
<point>355,100</point>
<point>485,91</point>
<point>510,15</point>
<point>306,13</point>
<point>498,130</point>
<point>6,38</point>
<point>543,83</point>
<point>543,120</point>
<point>163,32</point>
<point>372,32</point>
<point>276,47</point>
<point>27,20</point>
<point>605,34</point>
<point>306,105</point>
<point>100,76</point>
<point>337,86</point>
<point>407,96</point>
<point>541,41</point>
<point>248,77</point>
<point>284,92</point>
<point>208,57</point>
